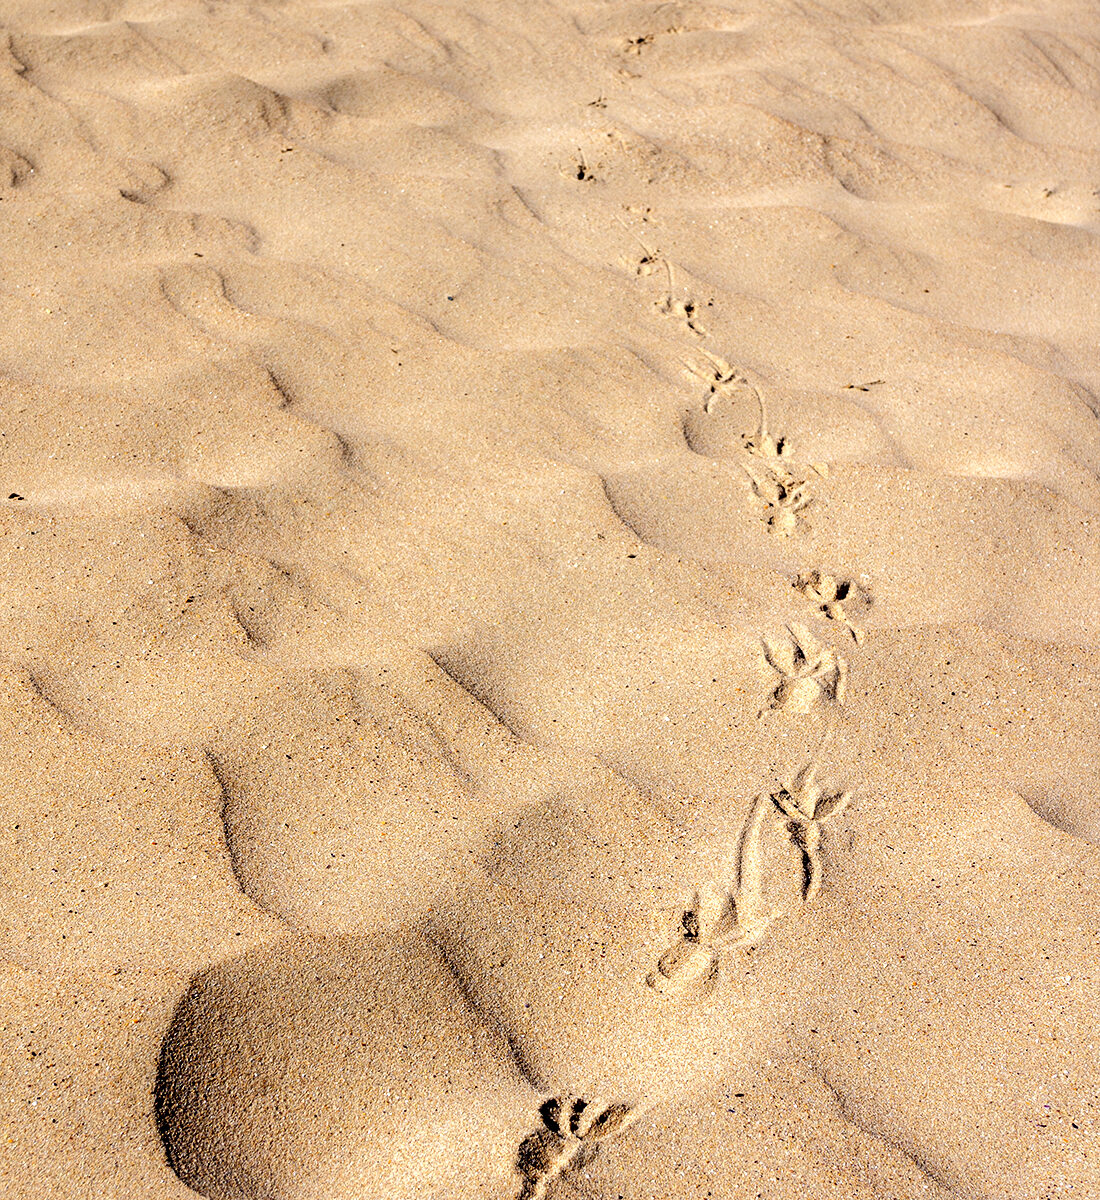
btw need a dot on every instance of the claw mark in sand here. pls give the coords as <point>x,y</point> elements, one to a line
<point>807,806</point>
<point>570,1135</point>
<point>829,594</point>
<point>717,917</point>
<point>809,673</point>
<point>634,45</point>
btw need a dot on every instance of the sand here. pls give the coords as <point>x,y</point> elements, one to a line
<point>551,600</point>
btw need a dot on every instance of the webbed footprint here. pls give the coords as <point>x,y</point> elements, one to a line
<point>809,673</point>
<point>570,1135</point>
<point>784,497</point>
<point>806,807</point>
<point>830,595</point>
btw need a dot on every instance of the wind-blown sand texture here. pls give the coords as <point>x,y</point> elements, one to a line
<point>551,637</point>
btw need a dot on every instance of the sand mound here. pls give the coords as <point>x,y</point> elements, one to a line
<point>331,1068</point>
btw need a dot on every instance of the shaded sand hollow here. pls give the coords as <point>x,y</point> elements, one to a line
<point>551,600</point>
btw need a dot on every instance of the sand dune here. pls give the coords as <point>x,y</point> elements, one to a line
<point>552,599</point>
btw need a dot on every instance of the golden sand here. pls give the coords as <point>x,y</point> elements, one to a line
<point>551,608</point>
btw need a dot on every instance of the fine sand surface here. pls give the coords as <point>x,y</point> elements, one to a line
<point>551,600</point>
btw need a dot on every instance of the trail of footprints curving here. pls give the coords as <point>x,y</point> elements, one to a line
<point>783,494</point>
<point>809,675</point>
<point>731,912</point>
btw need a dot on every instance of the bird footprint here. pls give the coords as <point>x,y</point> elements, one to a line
<point>806,807</point>
<point>809,673</point>
<point>571,1131</point>
<point>830,595</point>
<point>718,916</point>
<point>724,381</point>
<point>689,968</point>
<point>784,498</point>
